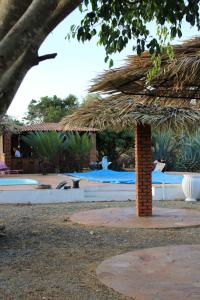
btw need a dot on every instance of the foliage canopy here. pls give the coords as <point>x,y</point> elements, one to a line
<point>116,22</point>
<point>50,109</point>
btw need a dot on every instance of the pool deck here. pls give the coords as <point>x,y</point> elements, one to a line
<point>54,180</point>
<point>88,191</point>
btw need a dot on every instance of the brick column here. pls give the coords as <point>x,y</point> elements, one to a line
<point>1,149</point>
<point>7,149</point>
<point>93,151</point>
<point>143,164</point>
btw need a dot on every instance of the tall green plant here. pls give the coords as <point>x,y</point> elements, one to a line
<point>78,144</point>
<point>116,145</point>
<point>165,145</point>
<point>78,147</point>
<point>189,155</point>
<point>47,145</point>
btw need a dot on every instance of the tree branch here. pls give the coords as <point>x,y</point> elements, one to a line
<point>44,57</point>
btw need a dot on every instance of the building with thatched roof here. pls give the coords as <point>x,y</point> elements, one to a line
<point>170,99</point>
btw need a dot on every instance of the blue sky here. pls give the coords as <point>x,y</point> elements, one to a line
<point>72,70</point>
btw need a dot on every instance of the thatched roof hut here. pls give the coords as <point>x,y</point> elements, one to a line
<point>171,99</point>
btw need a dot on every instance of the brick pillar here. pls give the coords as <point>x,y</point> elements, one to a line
<point>93,151</point>
<point>1,149</point>
<point>7,149</point>
<point>143,164</point>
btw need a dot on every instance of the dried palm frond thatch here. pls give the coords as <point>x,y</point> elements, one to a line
<point>125,112</point>
<point>172,99</point>
<point>8,125</point>
<point>177,79</point>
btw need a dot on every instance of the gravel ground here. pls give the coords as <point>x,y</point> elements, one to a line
<point>45,256</point>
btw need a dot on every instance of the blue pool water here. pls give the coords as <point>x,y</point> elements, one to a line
<point>17,181</point>
<point>126,177</point>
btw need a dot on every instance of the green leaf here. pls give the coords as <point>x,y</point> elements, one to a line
<point>110,63</point>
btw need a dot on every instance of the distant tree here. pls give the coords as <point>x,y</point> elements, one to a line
<point>90,97</point>
<point>50,109</point>
<point>114,144</point>
<point>16,121</point>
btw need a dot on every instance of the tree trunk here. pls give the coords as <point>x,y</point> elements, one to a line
<point>24,26</point>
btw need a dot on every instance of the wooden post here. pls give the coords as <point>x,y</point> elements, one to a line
<point>93,151</point>
<point>143,162</point>
<point>7,149</point>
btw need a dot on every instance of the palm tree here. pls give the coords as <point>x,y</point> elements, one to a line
<point>79,147</point>
<point>48,146</point>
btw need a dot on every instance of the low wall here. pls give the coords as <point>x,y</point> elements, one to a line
<point>90,194</point>
<point>168,192</point>
<point>41,196</point>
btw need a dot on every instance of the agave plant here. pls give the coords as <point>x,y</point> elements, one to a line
<point>47,145</point>
<point>189,155</point>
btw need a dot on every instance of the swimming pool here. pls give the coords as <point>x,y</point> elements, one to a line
<point>126,177</point>
<point>18,181</point>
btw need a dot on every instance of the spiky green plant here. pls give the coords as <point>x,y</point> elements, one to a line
<point>189,154</point>
<point>165,145</point>
<point>47,145</point>
<point>78,144</point>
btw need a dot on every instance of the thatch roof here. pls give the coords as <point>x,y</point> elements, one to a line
<point>172,99</point>
<point>178,78</point>
<point>126,111</point>
<point>8,125</point>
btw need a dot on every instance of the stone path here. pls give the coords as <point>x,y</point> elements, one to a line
<point>162,273</point>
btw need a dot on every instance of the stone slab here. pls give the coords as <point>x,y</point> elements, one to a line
<point>162,273</point>
<point>125,217</point>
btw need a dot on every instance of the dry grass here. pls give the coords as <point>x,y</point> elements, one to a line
<point>44,256</point>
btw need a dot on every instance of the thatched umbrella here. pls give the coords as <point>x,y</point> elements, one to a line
<point>178,78</point>
<point>167,101</point>
<point>122,112</point>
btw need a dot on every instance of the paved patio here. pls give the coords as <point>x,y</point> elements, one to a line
<point>162,273</point>
<point>54,180</point>
<point>125,217</point>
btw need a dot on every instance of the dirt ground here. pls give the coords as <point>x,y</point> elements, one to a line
<point>45,256</point>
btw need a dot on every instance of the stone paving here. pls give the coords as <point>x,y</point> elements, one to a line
<point>54,180</point>
<point>125,217</point>
<point>162,273</point>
